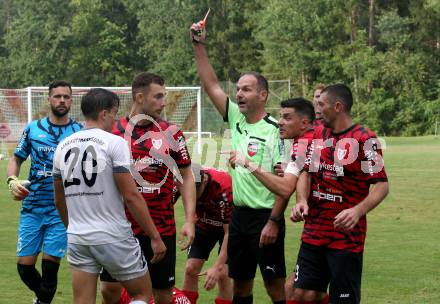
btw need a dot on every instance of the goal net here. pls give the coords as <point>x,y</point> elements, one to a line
<point>20,106</point>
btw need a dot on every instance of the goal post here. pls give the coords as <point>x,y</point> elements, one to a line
<point>21,106</point>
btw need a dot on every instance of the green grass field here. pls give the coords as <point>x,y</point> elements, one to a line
<point>402,256</point>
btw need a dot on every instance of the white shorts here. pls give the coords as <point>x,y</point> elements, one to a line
<point>123,260</point>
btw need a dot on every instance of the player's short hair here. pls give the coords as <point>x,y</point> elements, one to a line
<point>341,93</point>
<point>59,83</point>
<point>319,86</point>
<point>262,83</point>
<point>198,173</point>
<point>302,106</point>
<point>96,100</point>
<point>143,80</point>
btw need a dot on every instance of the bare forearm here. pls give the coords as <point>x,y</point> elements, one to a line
<point>223,255</point>
<point>60,201</point>
<point>139,210</point>
<point>189,201</point>
<point>303,187</point>
<point>282,186</point>
<point>62,211</point>
<point>209,79</point>
<point>377,194</point>
<point>279,206</point>
<point>188,191</point>
<point>14,166</point>
<point>204,68</point>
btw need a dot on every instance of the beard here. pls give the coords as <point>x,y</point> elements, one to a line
<point>60,111</point>
<point>326,123</point>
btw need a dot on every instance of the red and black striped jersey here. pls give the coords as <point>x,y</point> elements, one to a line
<point>317,123</point>
<point>214,207</point>
<point>342,167</point>
<point>158,151</point>
<point>300,144</point>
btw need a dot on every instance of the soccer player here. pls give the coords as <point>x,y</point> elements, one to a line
<point>40,226</point>
<point>214,208</point>
<point>347,181</point>
<point>159,153</point>
<point>316,94</point>
<point>257,228</point>
<point>296,123</point>
<point>92,181</point>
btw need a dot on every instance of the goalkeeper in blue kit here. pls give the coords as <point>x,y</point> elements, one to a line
<point>40,227</point>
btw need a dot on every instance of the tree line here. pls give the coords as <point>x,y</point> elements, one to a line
<point>387,51</point>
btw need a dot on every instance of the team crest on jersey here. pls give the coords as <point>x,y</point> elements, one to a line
<point>342,153</point>
<point>252,148</point>
<point>157,143</point>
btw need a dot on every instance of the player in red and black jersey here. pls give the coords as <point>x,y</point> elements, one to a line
<point>214,210</point>
<point>296,123</point>
<point>159,154</point>
<point>316,94</point>
<point>348,180</point>
<point>157,149</point>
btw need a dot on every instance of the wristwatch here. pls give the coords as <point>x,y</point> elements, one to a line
<point>276,219</point>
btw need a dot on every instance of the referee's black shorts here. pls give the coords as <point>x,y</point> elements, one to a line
<point>244,252</point>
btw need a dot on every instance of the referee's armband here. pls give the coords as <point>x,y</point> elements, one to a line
<point>292,168</point>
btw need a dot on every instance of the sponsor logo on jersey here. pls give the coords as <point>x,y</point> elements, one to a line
<point>252,148</point>
<point>147,161</point>
<point>327,196</point>
<point>211,222</point>
<point>149,189</point>
<point>332,167</point>
<point>21,141</point>
<point>222,205</point>
<point>182,147</point>
<point>46,149</point>
<point>329,175</point>
<point>44,172</point>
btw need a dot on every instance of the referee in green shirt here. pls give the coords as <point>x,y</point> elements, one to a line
<point>257,228</point>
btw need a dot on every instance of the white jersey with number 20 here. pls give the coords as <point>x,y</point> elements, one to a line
<point>86,162</point>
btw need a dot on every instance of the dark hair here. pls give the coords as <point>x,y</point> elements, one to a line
<point>197,171</point>
<point>262,83</point>
<point>341,93</point>
<point>96,100</point>
<point>302,106</point>
<point>59,83</point>
<point>142,81</point>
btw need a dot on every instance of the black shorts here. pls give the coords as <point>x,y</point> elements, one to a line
<point>318,266</point>
<point>204,242</point>
<point>244,252</point>
<point>162,273</point>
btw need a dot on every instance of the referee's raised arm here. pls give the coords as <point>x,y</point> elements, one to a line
<point>207,74</point>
